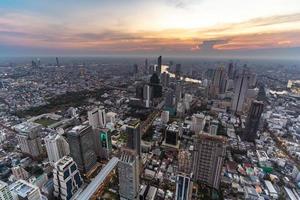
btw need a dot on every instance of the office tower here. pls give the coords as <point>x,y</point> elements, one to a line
<point>23,190</point>
<point>253,80</point>
<point>128,170</point>
<point>198,122</point>
<point>178,92</point>
<point>135,69</point>
<point>151,69</point>
<point>183,187</point>
<point>165,79</point>
<point>102,142</point>
<point>56,147</point>
<point>155,85</point>
<point>208,157</point>
<point>158,68</point>
<point>97,118</point>
<point>57,62</point>
<point>134,135</point>
<point>147,95</point>
<point>165,116</point>
<point>177,71</point>
<point>180,109</point>
<point>213,128</point>
<point>252,121</point>
<point>139,91</point>
<point>146,66</point>
<point>230,70</point>
<point>29,138</point>
<point>171,136</point>
<point>169,98</point>
<point>184,161</point>
<point>5,193</point>
<point>240,90</point>
<point>66,177</point>
<point>80,140</point>
<point>219,81</point>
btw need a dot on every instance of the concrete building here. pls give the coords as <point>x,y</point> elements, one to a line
<point>67,179</point>
<point>171,136</point>
<point>80,140</point>
<point>165,116</point>
<point>198,122</point>
<point>240,90</point>
<point>128,170</point>
<point>5,193</point>
<point>25,191</point>
<point>29,138</point>
<point>97,117</point>
<point>213,128</point>
<point>184,161</point>
<point>134,135</point>
<point>102,143</point>
<point>20,173</point>
<point>208,157</point>
<point>56,147</point>
<point>183,187</point>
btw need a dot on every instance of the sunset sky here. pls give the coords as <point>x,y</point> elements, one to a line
<point>170,27</point>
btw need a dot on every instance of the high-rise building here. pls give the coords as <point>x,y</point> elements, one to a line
<point>147,95</point>
<point>135,69</point>
<point>230,70</point>
<point>56,146</point>
<point>155,85</point>
<point>80,140</point>
<point>25,191</point>
<point>165,79</point>
<point>213,128</point>
<point>165,116</point>
<point>198,122</point>
<point>57,62</point>
<point>146,66</point>
<point>66,177</point>
<point>102,142</point>
<point>5,193</point>
<point>169,99</point>
<point>183,187</point>
<point>128,170</point>
<point>177,71</point>
<point>171,136</point>
<point>29,138</point>
<point>97,118</point>
<point>240,89</point>
<point>253,119</point>
<point>219,81</point>
<point>159,63</point>
<point>134,135</point>
<point>208,157</point>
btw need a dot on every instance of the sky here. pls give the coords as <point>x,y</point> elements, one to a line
<point>269,28</point>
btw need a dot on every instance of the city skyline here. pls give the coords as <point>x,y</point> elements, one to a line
<point>169,27</point>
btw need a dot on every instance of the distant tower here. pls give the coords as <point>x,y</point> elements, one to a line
<point>80,140</point>
<point>146,66</point>
<point>208,157</point>
<point>230,70</point>
<point>177,71</point>
<point>159,63</point>
<point>57,62</point>
<point>240,91</point>
<point>218,85</point>
<point>253,119</point>
<point>128,170</point>
<point>67,179</point>
<point>134,136</point>
<point>56,147</point>
<point>135,69</point>
<point>147,95</point>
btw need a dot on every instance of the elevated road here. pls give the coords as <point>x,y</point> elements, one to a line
<point>88,192</point>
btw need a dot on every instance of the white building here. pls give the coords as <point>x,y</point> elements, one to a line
<point>165,116</point>
<point>213,128</point>
<point>57,147</point>
<point>24,190</point>
<point>67,179</point>
<point>128,170</point>
<point>97,117</point>
<point>198,122</point>
<point>5,193</point>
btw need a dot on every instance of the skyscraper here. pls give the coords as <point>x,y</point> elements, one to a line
<point>183,187</point>
<point>177,71</point>
<point>158,68</point>
<point>208,157</point>
<point>29,138</point>
<point>56,147</point>
<point>230,70</point>
<point>134,136</point>
<point>67,179</point>
<point>128,170</point>
<point>80,140</point>
<point>155,85</point>
<point>240,90</point>
<point>198,122</point>
<point>218,85</point>
<point>97,118</point>
<point>256,109</point>
<point>5,193</point>
<point>147,95</point>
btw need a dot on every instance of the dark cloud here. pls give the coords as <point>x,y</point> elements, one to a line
<point>208,45</point>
